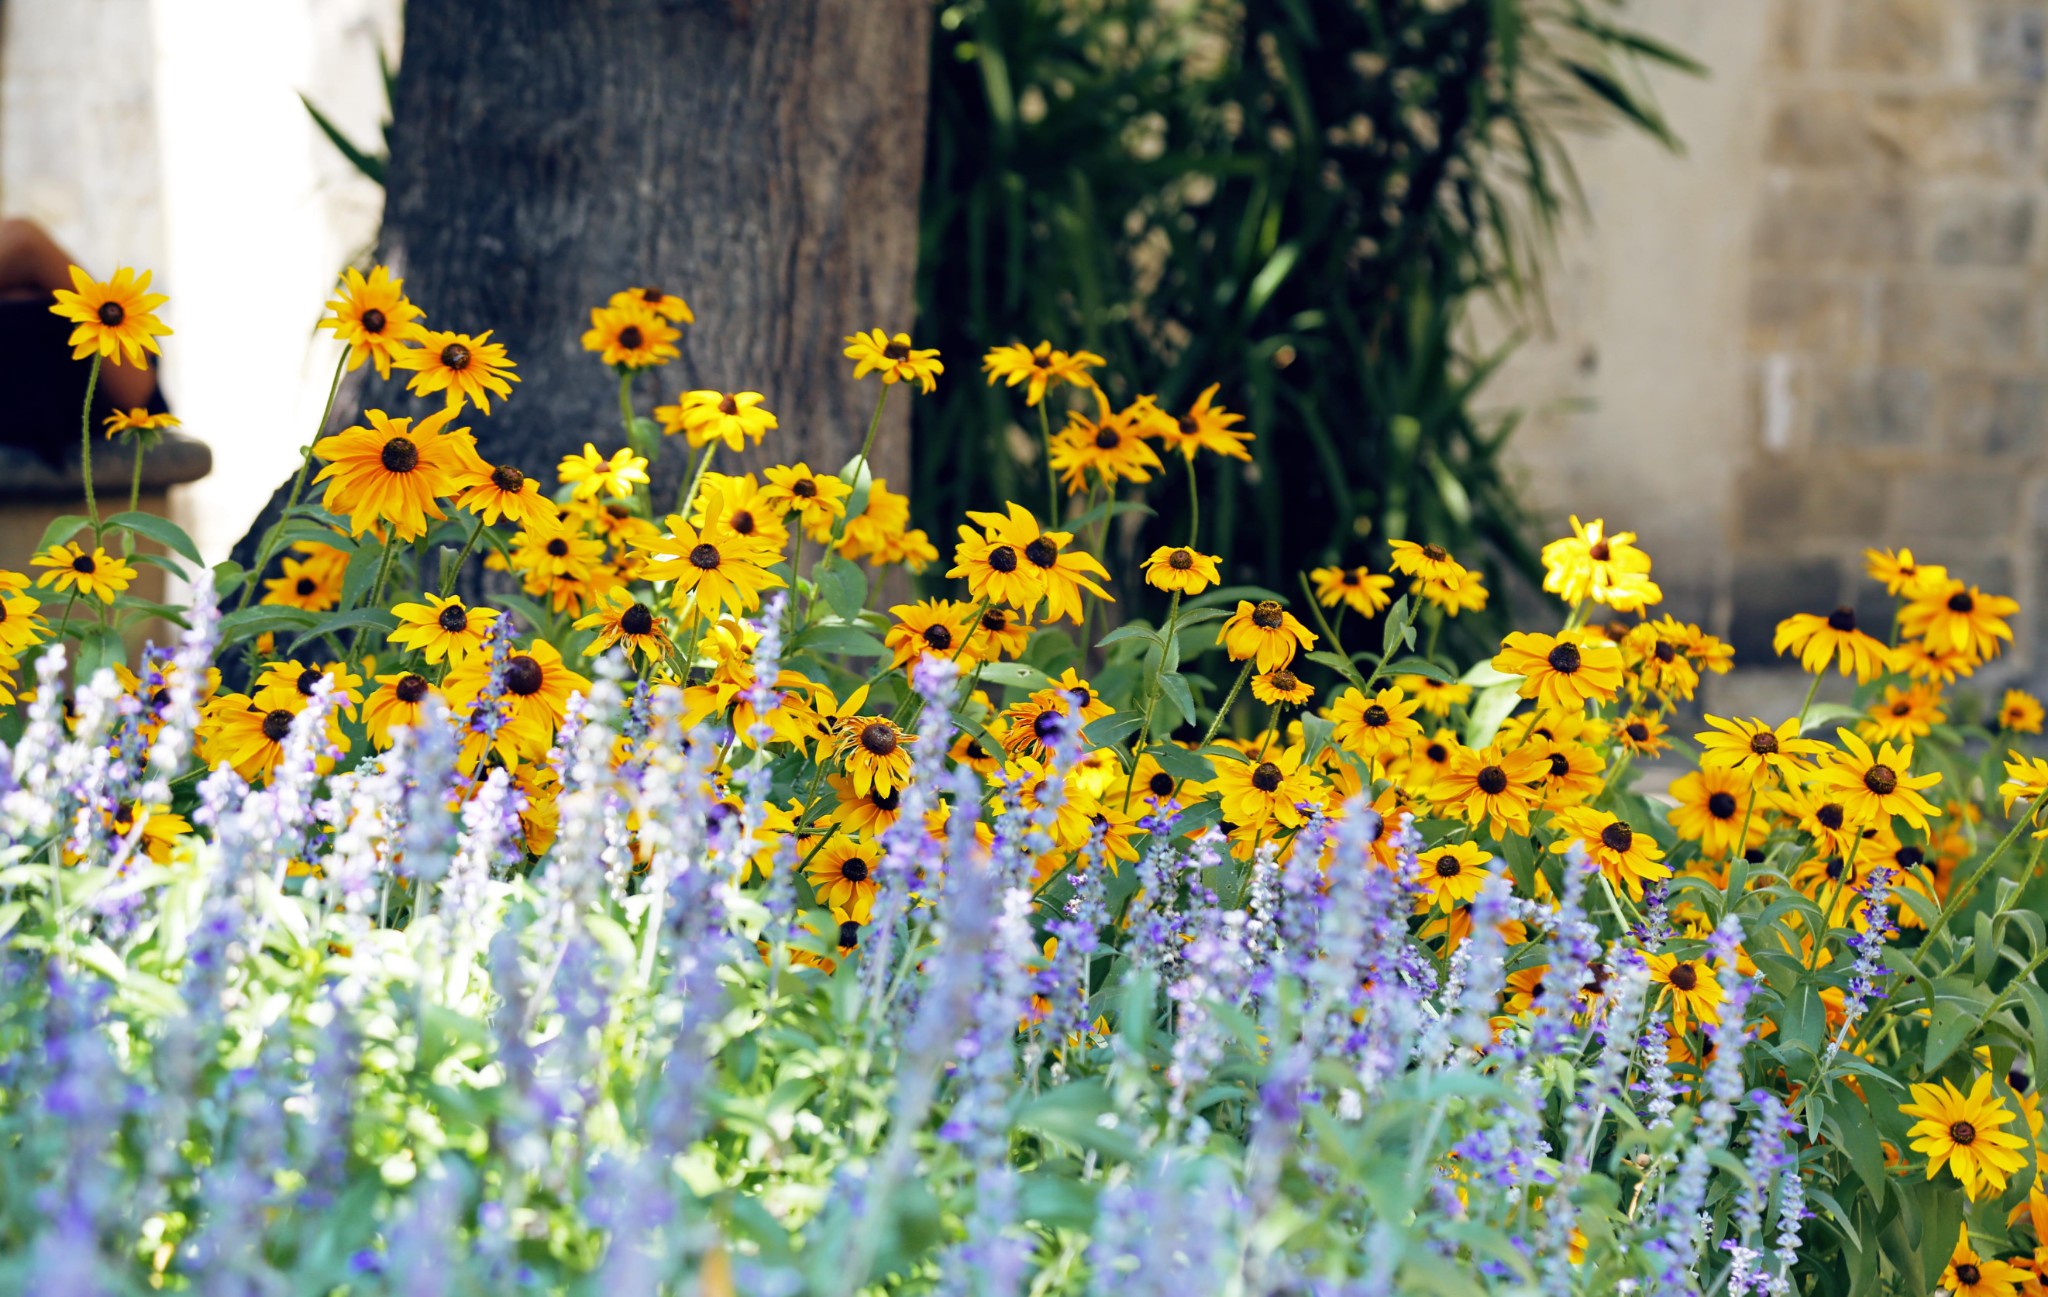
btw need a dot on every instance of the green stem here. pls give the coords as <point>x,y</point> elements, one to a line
<point>1807,705</point>
<point>134,491</point>
<point>268,549</point>
<point>1166,635</point>
<point>92,508</point>
<point>449,577</point>
<point>65,620</point>
<point>689,495</point>
<point>1194,503</point>
<point>376,599</point>
<point>626,402</point>
<point>1216,723</point>
<point>1052,481</point>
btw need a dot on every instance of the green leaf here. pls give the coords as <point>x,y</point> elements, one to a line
<point>1315,733</point>
<point>861,482</point>
<point>1490,708</point>
<point>61,529</point>
<point>843,584</point>
<point>1337,662</point>
<point>1104,731</point>
<point>376,619</point>
<point>1122,633</point>
<point>1177,761</point>
<point>1428,670</point>
<point>1173,688</point>
<point>99,646</point>
<point>1015,675</point>
<point>161,530</point>
<point>1399,631</point>
<point>262,619</point>
<point>359,576</point>
<point>840,638</point>
<point>369,164</point>
<point>228,576</point>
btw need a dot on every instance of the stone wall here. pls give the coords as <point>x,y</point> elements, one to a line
<point>1824,327</point>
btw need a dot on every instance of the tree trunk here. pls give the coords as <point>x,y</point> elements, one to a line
<point>759,158</point>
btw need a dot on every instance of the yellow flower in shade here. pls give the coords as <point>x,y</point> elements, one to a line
<point>1437,698</point>
<point>373,318</point>
<point>1062,573</point>
<point>631,337</point>
<point>538,687</point>
<point>160,829</point>
<point>1716,809</point>
<point>1428,563</point>
<point>441,628</point>
<point>1818,640</point>
<point>870,533</point>
<point>1659,663</point>
<point>96,575</point>
<point>1606,567</point>
<point>252,738</point>
<point>1923,661</point>
<point>1107,450</point>
<point>929,628</point>
<point>994,570</point>
<point>730,418</point>
<point>115,319</point>
<point>1642,734</point>
<point>1900,574</point>
<point>1492,784</point>
<point>1283,686</point>
<point>2019,712</point>
<point>665,304</point>
<point>1570,772</point>
<point>876,753</point>
<point>1037,368</point>
<point>507,493</point>
<point>2026,779</point>
<point>1960,618</point>
<point>314,586</point>
<point>292,683</point>
<point>394,471</point>
<point>468,369</point>
<point>1071,702</point>
<point>1875,787</point>
<point>141,421</point>
<point>20,624</point>
<point>1450,875</point>
<point>1267,790</point>
<point>892,356</point>
<point>1375,727</point>
<point>1971,1275</point>
<point>1468,595</point>
<point>1909,713</point>
<point>1266,633</point>
<point>842,875</point>
<point>1001,634</point>
<point>1205,426</point>
<point>400,702</point>
<point>1357,588</point>
<point>1562,671</point>
<point>1962,1132</point>
<point>862,816</point>
<point>589,474</point>
<point>818,499</point>
<point>620,619</point>
<point>1753,749</point>
<point>746,510</point>
<point>1694,990</point>
<point>711,569</point>
<point>1180,570</point>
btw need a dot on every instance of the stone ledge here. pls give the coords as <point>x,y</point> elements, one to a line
<point>176,460</point>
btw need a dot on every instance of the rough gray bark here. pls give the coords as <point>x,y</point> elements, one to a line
<point>760,158</point>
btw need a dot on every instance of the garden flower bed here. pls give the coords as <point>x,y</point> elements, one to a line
<point>672,917</point>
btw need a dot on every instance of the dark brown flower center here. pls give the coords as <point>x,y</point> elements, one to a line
<point>455,356</point>
<point>636,620</point>
<point>849,935</point>
<point>410,689</point>
<point>1267,615</point>
<point>1685,977</point>
<point>1909,857</point>
<point>1599,552</point>
<point>1560,765</point>
<point>1829,815</point>
<point>1902,708</point>
<point>1492,780</point>
<point>1968,1275</point>
<point>1180,560</point>
<point>1287,682</point>
<point>1447,866</point>
<point>1842,619</point>
<point>399,455</point>
<point>938,637</point>
<point>373,321</point>
<point>728,406</point>
<point>523,676</point>
<point>804,488</point>
<point>84,563</point>
<point>1350,578</point>
<point>276,725</point>
<point>1160,783</point>
<point>1188,426</point>
<point>1564,659</point>
<point>1721,805</point>
<point>1961,601</point>
<point>631,338</point>
<point>1835,869</point>
<point>1267,777</point>
<point>652,296</point>
<point>1881,779</point>
<point>879,738</point>
<point>897,350</point>
<point>742,521</point>
<point>1003,559</point>
<point>1046,726</point>
<point>995,621</point>
<point>507,478</point>
<point>1435,553</point>
<point>704,557</point>
<point>1437,752</point>
<point>1374,715</point>
<point>1637,731</point>
<point>888,801</point>
<point>305,586</point>
<point>454,619</point>
<point>1665,652</point>
<point>1617,837</point>
<point>1042,552</point>
<point>1962,1132</point>
<point>558,547</point>
<point>855,870</point>
<point>111,314</point>
<point>1764,743</point>
<point>307,680</point>
<point>1107,439</point>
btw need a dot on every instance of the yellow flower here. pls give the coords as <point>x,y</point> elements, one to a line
<point>1909,713</point>
<point>2019,712</point>
<point>1570,772</point>
<point>1818,639</point>
<point>1060,574</point>
<point>719,567</point>
<point>1450,875</point>
<point>1971,1275</point>
<point>665,304</point>
<point>252,738</point>
<point>20,625</point>
<point>468,369</point>
<point>1642,735</point>
<point>1716,809</point>
<point>1875,788</point>
<point>620,619</point>
<point>308,584</point>
<point>727,417</point>
<point>590,473</point>
<point>1593,563</point>
<point>1490,783</point>
<point>98,575</point>
<point>373,317</point>
<point>1282,686</point>
<point>867,815</point>
<point>1038,368</point>
<point>536,699</point>
<point>818,499</point>
<point>291,684</point>
<point>441,628</point>
<point>1960,618</point>
<point>875,752</point>
<point>1206,426</point>
<point>1180,570</point>
<point>1266,633</point>
<point>1900,575</point>
<point>1468,595</point>
<point>875,530</point>
<point>1436,697</point>
<point>116,319</point>
<point>401,703</point>
<point>1962,1132</point>
<point>875,352</point>
<point>1029,724</point>
<point>1562,671</point>
<point>1107,447</point>
<point>632,336</point>
<point>843,877</point>
<point>1357,588</point>
<point>1694,989</point>
<point>505,492</point>
<point>139,420</point>
<point>1266,790</point>
<point>930,628</point>
<point>1375,727</point>
<point>1428,563</point>
<point>746,508</point>
<point>394,471</point>
<point>1753,748</point>
<point>2026,779</point>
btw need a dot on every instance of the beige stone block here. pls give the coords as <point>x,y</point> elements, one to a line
<point>1822,128</point>
<point>1958,131</point>
<point>1897,37</point>
<point>1881,408</point>
<point>1939,508</point>
<point>1968,223</point>
<point>1807,220</point>
<point>1806,313</point>
<point>1980,325</point>
<point>1985,415</point>
<point>1821,498</point>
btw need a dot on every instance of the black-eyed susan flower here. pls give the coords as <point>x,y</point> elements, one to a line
<point>1068,705</point>
<point>146,426</point>
<point>1880,785</point>
<point>1900,574</point>
<point>442,628</point>
<point>729,418</point>
<point>252,738</point>
<point>21,626</point>
<point>892,356</point>
<point>1961,618</point>
<point>711,569</point>
<point>372,317</point>
<point>1628,856</point>
<point>929,628</point>
<point>1268,790</point>
<point>1818,640</point>
<point>1691,987</point>
<point>818,499</point>
<point>1427,758</point>
<point>843,875</point>
<point>1605,567</point>
<point>1282,687</point>
<point>1180,570</point>
<point>1266,633</point>
<point>1037,368</point>
<point>1716,808</point>
<point>464,368</point>
<point>1063,573</point>
<point>874,751</point>
<point>1002,634</point>
<point>969,750</point>
<point>1569,773</point>
<point>155,828</point>
<point>632,336</point>
<point>315,587</point>
<point>663,303</point>
<point>2019,712</point>
<point>589,474</point>
<point>399,702</point>
<point>1103,451</point>
<point>1755,749</point>
<point>1358,588</point>
<point>505,492</point>
<point>1970,1274</point>
<point>1450,875</point>
<point>744,508</point>
<point>1493,784</point>
<point>2026,779</point>
<point>1468,595</point>
<point>394,471</point>
<point>876,530</point>
<point>92,575</point>
<point>1908,713</point>
<point>1205,426</point>
<point>1562,671</point>
<point>537,689</point>
<point>620,619</point>
<point>116,319</point>
<point>863,815</point>
<point>1438,698</point>
<point>1963,1132</point>
<point>1428,562</point>
<point>994,569</point>
<point>291,683</point>
<point>1375,726</point>
<point>1642,734</point>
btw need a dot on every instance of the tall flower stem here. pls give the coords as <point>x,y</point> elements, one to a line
<point>92,508</point>
<point>689,495</point>
<point>1217,722</point>
<point>1052,482</point>
<point>454,572</point>
<point>1166,635</point>
<point>1807,705</point>
<point>376,599</point>
<point>867,446</point>
<point>1194,502</point>
<point>268,549</point>
<point>135,476</point>
<point>626,402</point>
